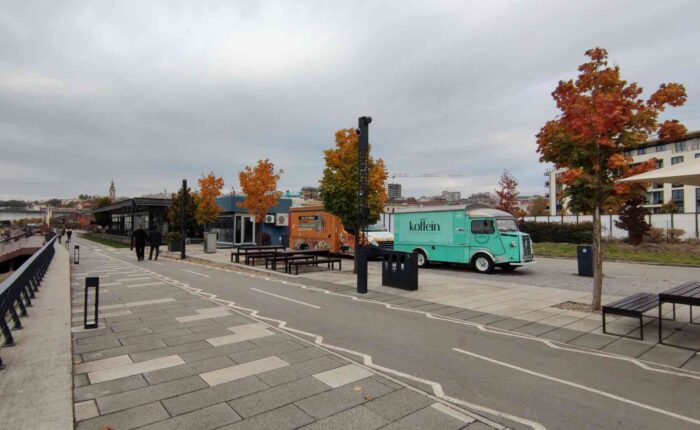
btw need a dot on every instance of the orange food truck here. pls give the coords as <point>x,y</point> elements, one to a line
<point>310,227</point>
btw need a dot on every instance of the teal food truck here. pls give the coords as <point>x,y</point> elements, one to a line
<point>482,237</point>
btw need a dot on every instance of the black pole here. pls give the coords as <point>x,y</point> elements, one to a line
<point>133,218</point>
<point>363,209</point>
<point>183,209</point>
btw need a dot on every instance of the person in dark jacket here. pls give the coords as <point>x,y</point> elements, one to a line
<point>155,238</point>
<point>139,239</point>
<point>69,234</point>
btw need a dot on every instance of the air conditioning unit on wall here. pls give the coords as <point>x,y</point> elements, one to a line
<point>282,219</point>
<point>269,219</point>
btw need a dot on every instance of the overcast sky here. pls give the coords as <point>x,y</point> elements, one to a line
<point>149,93</point>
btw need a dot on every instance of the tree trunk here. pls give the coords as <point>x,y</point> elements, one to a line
<point>597,260</point>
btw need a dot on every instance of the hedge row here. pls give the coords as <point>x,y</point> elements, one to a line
<point>558,232</point>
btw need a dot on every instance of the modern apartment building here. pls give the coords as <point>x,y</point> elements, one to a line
<point>686,198</point>
<point>394,191</point>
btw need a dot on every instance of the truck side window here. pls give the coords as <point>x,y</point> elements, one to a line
<point>482,226</point>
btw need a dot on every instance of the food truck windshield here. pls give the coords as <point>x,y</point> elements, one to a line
<point>376,227</point>
<point>506,224</point>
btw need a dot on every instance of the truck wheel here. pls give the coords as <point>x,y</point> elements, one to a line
<point>482,263</point>
<point>422,259</point>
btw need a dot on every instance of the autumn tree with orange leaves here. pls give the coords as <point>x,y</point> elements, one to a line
<point>601,117</point>
<point>340,182</point>
<point>507,193</point>
<point>209,189</point>
<point>259,184</point>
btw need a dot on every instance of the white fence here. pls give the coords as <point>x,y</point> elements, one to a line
<point>687,222</point>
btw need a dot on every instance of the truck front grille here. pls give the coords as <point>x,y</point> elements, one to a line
<point>389,244</point>
<point>527,248</point>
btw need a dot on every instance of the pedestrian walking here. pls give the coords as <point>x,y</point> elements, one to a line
<point>69,234</point>
<point>155,238</point>
<point>138,240</point>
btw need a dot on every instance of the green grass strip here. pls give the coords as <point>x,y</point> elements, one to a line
<point>108,242</point>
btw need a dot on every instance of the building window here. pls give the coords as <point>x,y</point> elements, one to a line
<point>697,200</point>
<point>655,198</point>
<point>660,148</point>
<point>681,146</point>
<point>641,151</point>
<point>655,185</point>
<point>628,153</point>
<point>697,155</point>
<point>676,160</point>
<point>677,198</point>
<point>659,164</point>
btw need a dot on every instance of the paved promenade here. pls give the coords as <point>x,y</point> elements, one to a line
<point>166,357</point>
<point>35,386</point>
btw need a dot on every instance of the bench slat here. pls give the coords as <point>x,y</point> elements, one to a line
<point>636,303</point>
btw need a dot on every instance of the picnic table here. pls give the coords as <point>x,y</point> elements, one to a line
<point>286,256</point>
<point>686,294</point>
<point>245,250</point>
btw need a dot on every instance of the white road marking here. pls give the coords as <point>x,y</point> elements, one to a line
<point>195,273</point>
<point>581,387</point>
<point>287,298</point>
<point>367,359</point>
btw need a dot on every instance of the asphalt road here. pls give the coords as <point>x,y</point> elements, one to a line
<point>621,279</point>
<point>523,382</point>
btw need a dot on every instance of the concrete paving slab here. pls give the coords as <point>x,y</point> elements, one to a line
<point>276,397</point>
<point>103,389</point>
<point>667,355</point>
<point>135,368</point>
<point>241,371</point>
<point>92,366</point>
<point>357,418</point>
<point>152,393</point>
<point>339,399</point>
<point>343,375</point>
<point>210,396</point>
<point>128,419</point>
<point>398,404</point>
<point>285,418</point>
<point>207,418</point>
<point>85,410</point>
<point>427,418</point>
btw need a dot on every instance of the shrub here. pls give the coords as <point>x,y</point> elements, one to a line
<point>662,235</point>
<point>558,232</point>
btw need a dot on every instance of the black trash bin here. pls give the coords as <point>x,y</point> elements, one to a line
<point>584,255</point>
<point>400,270</point>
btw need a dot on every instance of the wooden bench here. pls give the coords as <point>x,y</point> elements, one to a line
<point>253,249</point>
<point>330,261</point>
<point>250,258</point>
<point>272,261</point>
<point>633,306</point>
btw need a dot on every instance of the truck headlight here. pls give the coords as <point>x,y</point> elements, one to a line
<point>373,241</point>
<point>512,244</point>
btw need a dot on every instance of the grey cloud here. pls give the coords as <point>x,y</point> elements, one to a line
<point>153,92</point>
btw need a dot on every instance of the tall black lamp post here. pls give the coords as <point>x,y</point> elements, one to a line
<point>133,219</point>
<point>183,209</point>
<point>363,207</point>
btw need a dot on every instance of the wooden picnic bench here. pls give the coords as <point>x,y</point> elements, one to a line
<point>687,293</point>
<point>250,258</point>
<point>634,306</point>
<point>272,260</point>
<point>245,250</point>
<point>330,261</point>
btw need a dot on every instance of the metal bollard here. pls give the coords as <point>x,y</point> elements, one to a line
<point>76,254</point>
<point>91,282</point>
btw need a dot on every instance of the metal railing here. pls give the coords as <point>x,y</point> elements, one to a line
<point>18,290</point>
